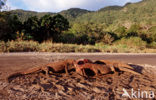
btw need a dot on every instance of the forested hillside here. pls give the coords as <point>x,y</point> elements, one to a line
<point>71,14</point>
<point>143,12</point>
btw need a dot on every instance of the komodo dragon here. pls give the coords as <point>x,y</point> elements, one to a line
<point>53,67</point>
<point>103,67</point>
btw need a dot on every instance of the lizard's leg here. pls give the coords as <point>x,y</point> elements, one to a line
<point>66,70</point>
<point>46,69</point>
<point>96,70</point>
<point>112,68</point>
<point>83,72</point>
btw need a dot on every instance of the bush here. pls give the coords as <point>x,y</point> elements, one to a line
<point>82,39</point>
<point>22,46</point>
<point>133,29</point>
<point>122,46</point>
<point>152,45</point>
<point>132,34</point>
<point>132,42</point>
<point>67,38</point>
<point>117,48</point>
<point>121,31</point>
<point>146,37</point>
<point>107,39</point>
<point>32,46</point>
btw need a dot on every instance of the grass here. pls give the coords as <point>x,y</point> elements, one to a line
<point>32,46</point>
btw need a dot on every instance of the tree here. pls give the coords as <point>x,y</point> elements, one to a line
<point>4,26</point>
<point>9,25</point>
<point>91,33</point>
<point>15,25</point>
<point>60,24</point>
<point>52,27</point>
<point>31,28</point>
<point>46,28</point>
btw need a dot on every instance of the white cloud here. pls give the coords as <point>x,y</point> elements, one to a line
<point>52,5</point>
<point>58,5</point>
<point>9,4</point>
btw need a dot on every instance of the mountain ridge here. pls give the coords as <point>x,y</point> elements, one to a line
<point>110,15</point>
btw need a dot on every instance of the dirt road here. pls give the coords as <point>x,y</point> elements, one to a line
<point>107,87</point>
<point>12,62</point>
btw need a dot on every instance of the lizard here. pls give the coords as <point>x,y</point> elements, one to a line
<point>103,67</point>
<point>53,67</point>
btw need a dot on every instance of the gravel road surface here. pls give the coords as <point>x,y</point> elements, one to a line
<point>61,87</point>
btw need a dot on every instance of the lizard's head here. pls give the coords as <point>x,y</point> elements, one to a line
<point>80,62</point>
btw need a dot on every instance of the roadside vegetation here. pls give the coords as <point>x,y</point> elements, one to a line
<point>115,29</point>
<point>33,46</point>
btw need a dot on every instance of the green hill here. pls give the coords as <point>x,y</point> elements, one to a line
<point>143,12</point>
<point>24,15</point>
<point>137,17</point>
<point>110,8</point>
<point>71,14</point>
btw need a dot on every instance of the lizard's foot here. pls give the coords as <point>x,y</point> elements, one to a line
<point>67,75</point>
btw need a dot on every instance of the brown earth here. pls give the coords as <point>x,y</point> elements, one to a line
<point>75,87</point>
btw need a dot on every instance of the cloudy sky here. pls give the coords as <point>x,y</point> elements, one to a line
<point>59,5</point>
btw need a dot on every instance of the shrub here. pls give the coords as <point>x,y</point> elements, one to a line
<point>121,31</point>
<point>67,38</point>
<point>152,45</point>
<point>146,37</point>
<point>45,46</point>
<point>22,46</point>
<point>133,29</point>
<point>107,39</point>
<point>82,39</point>
<point>132,42</point>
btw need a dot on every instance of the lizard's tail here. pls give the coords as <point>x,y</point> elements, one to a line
<point>131,71</point>
<point>12,76</point>
<point>29,71</point>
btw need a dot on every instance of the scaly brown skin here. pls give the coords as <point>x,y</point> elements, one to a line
<point>98,69</point>
<point>118,65</point>
<point>54,67</point>
<point>110,66</point>
<point>61,65</point>
<point>80,62</point>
